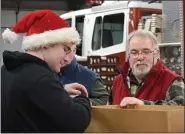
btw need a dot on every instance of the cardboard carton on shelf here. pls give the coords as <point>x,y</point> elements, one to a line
<point>112,118</point>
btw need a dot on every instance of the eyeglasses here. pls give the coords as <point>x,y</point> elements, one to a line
<point>145,53</point>
<point>67,49</point>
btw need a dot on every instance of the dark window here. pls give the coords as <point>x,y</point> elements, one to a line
<point>109,32</point>
<point>69,21</point>
<point>96,42</point>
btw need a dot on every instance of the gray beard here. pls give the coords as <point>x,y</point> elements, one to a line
<point>140,74</point>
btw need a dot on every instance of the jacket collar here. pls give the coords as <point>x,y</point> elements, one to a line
<point>68,69</point>
<point>125,68</point>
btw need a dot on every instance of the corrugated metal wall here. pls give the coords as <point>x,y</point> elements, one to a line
<point>172,33</point>
<point>171,25</point>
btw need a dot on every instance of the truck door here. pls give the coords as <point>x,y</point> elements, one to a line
<point>107,32</point>
<point>77,22</point>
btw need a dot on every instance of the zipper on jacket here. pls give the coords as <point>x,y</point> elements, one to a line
<point>128,89</point>
<point>142,83</point>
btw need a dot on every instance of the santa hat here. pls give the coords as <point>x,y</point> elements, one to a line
<point>42,28</point>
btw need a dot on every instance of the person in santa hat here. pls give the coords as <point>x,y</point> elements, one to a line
<point>32,99</point>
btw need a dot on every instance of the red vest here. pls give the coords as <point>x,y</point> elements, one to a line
<point>154,87</point>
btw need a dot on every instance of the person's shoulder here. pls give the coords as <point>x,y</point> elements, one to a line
<point>169,72</point>
<point>37,68</point>
<point>35,71</point>
<point>179,81</point>
<point>118,78</point>
<point>87,70</point>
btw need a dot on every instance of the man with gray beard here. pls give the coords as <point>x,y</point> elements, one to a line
<point>143,79</point>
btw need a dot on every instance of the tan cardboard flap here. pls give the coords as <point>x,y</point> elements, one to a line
<point>112,118</point>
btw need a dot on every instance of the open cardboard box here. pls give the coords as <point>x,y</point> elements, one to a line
<point>112,118</point>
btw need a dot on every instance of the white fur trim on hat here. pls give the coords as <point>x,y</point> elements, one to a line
<point>63,35</point>
<point>9,36</point>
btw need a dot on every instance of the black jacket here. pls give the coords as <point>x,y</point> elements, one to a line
<point>32,100</point>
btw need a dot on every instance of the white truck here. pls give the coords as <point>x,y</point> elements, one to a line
<point>104,29</point>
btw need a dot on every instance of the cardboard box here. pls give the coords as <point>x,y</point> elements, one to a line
<point>112,118</point>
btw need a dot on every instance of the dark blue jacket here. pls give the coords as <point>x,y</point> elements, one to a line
<point>75,72</point>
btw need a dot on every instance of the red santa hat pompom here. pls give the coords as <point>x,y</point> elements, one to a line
<point>42,28</point>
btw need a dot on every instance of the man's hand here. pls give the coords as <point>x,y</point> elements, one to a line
<point>76,89</point>
<point>127,101</point>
